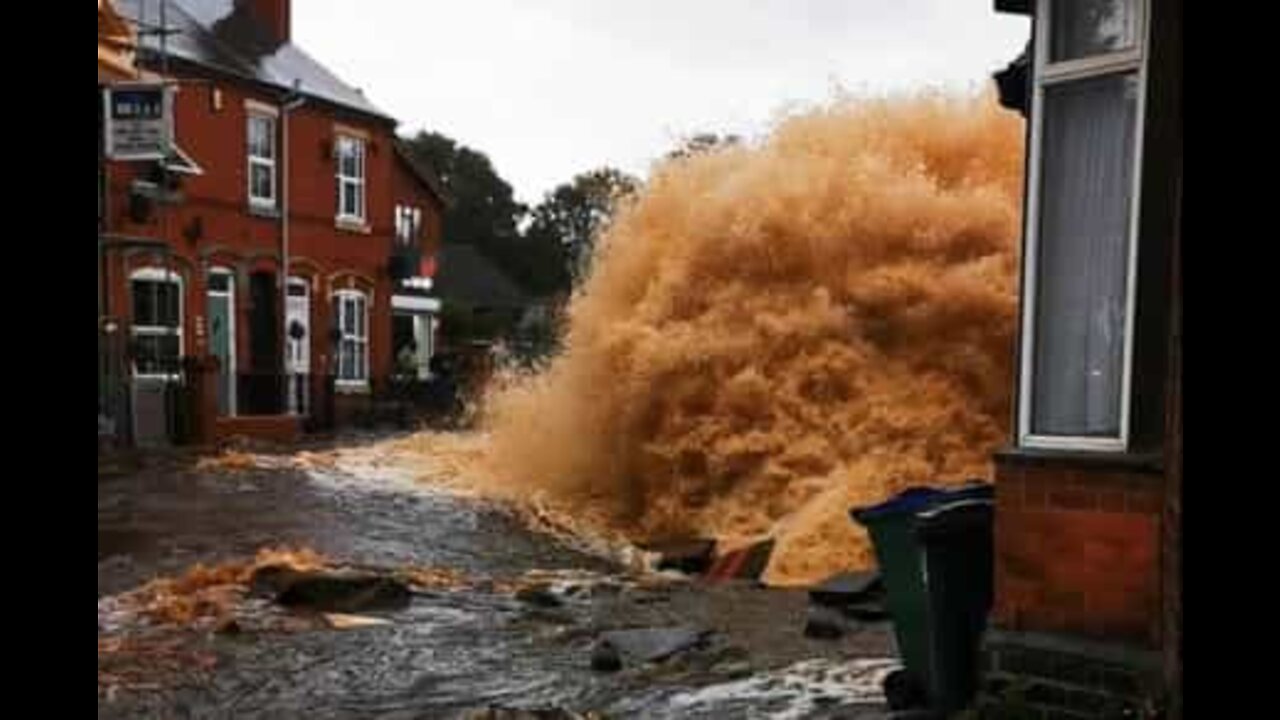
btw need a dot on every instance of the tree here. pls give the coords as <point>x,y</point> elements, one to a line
<point>484,207</point>
<point>573,215</point>
<point>703,143</point>
<point>486,215</point>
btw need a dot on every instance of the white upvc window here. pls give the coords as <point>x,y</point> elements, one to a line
<point>262,160</point>
<point>408,224</point>
<point>351,179</point>
<point>351,311</point>
<point>156,326</point>
<point>1082,223</point>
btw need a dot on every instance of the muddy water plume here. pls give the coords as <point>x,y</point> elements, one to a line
<point>776,332</point>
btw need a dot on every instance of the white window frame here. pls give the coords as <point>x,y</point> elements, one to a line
<point>271,163</point>
<point>343,296</point>
<point>358,180</point>
<point>230,295</point>
<point>298,368</point>
<point>408,224</point>
<point>1046,75</point>
<point>159,275</point>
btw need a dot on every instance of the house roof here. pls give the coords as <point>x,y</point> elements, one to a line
<point>424,173</point>
<point>468,277</point>
<point>217,35</point>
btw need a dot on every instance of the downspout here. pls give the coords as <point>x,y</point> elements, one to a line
<point>288,103</point>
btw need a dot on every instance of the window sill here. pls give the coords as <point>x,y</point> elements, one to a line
<point>264,211</point>
<point>352,388</point>
<point>353,225</point>
<point>156,378</point>
<point>1135,462</point>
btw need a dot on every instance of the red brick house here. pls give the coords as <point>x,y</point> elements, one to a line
<point>116,43</point>
<point>1088,523</point>
<point>289,232</point>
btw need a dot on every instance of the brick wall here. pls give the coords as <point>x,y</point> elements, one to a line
<point>276,428</point>
<point>1078,552</point>
<point>1042,678</point>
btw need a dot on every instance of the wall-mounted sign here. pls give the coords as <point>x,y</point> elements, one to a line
<point>139,121</point>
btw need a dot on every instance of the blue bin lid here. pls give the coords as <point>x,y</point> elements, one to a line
<point>959,516</point>
<point>973,490</point>
<point>919,499</point>
<point>908,501</point>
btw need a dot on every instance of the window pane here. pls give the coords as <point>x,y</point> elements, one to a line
<point>155,304</point>
<point>169,316</point>
<point>1081,281</point>
<point>347,157</point>
<point>1082,28</point>
<point>261,182</point>
<point>255,136</point>
<point>145,303</point>
<point>349,207</point>
<point>347,365</point>
<point>262,137</point>
<point>220,282</point>
<point>156,354</point>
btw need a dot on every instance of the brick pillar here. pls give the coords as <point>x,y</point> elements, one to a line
<point>202,399</point>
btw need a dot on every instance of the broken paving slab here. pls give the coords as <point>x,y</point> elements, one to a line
<point>540,595</point>
<point>849,589</point>
<point>691,556</point>
<point>339,621</point>
<point>271,580</point>
<point>826,623</point>
<point>748,563</point>
<point>618,648</point>
<point>860,596</point>
<point>332,591</point>
<point>867,612</point>
<point>497,713</point>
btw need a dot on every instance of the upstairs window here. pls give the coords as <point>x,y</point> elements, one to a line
<point>408,224</point>
<point>351,179</point>
<point>1082,224</point>
<point>262,161</point>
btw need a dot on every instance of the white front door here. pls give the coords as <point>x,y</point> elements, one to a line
<point>221,311</point>
<point>298,351</point>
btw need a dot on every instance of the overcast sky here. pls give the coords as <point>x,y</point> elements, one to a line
<point>551,88</point>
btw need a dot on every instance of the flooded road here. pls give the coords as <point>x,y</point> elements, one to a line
<point>451,653</point>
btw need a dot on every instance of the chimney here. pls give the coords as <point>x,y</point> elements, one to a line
<point>273,16</point>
